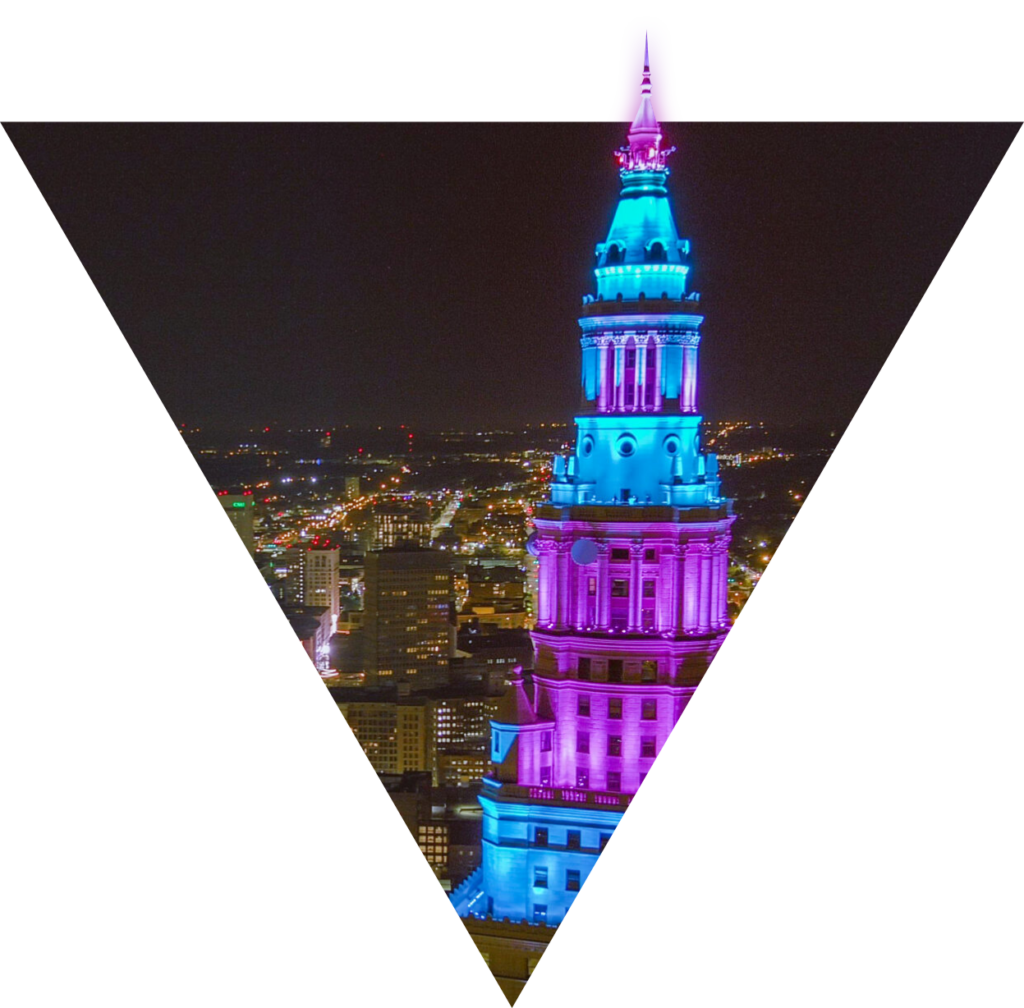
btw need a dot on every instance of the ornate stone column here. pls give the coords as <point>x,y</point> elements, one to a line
<point>603,602</point>
<point>721,610</point>
<point>688,397</point>
<point>561,608</point>
<point>545,582</point>
<point>636,585</point>
<point>691,588</point>
<point>605,377</point>
<point>658,351</point>
<point>666,592</point>
<point>678,621</point>
<point>581,618</point>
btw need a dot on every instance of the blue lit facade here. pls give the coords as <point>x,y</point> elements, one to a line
<point>632,549</point>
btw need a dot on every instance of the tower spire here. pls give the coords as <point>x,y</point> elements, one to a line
<point>643,151</point>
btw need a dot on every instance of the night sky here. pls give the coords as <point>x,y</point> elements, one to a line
<point>431,274</point>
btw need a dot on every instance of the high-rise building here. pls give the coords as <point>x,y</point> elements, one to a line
<point>322,577</point>
<point>632,568</point>
<point>241,509</point>
<point>395,734</point>
<point>401,523</point>
<point>407,628</point>
<point>353,488</point>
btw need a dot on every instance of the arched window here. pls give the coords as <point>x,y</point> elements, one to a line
<point>614,254</point>
<point>656,253</point>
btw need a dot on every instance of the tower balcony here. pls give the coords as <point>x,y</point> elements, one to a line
<point>686,305</point>
<point>543,794</point>
<point>632,513</point>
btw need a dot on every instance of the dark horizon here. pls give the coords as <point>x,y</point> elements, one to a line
<point>431,274</point>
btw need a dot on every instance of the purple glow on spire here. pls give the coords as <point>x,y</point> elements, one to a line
<point>643,152</point>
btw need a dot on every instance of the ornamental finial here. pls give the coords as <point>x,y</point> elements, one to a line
<point>644,152</point>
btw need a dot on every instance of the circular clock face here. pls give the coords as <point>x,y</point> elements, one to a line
<point>584,551</point>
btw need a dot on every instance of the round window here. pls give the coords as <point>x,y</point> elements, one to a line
<point>672,445</point>
<point>586,446</point>
<point>626,445</point>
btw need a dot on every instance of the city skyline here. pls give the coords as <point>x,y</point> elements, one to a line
<point>242,260</point>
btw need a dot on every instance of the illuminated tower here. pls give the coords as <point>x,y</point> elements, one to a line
<point>632,548</point>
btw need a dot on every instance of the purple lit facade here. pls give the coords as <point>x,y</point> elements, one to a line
<point>632,547</point>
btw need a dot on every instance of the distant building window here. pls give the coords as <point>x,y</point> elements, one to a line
<point>620,555</point>
<point>540,836</point>
<point>620,588</point>
<point>540,878</point>
<point>545,741</point>
<point>649,710</point>
<point>583,669</point>
<point>649,671</point>
<point>582,742</point>
<point>572,839</point>
<point>615,708</point>
<point>615,670</point>
<point>545,775</point>
<point>540,913</point>
<point>582,779</point>
<point>648,747</point>
<point>572,880</point>
<point>614,745</point>
<point>605,837</point>
<point>592,586</point>
<point>650,555</point>
<point>614,780</point>
<point>649,591</point>
<point>583,706</point>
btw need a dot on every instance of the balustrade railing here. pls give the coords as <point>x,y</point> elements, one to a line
<point>565,796</point>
